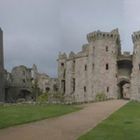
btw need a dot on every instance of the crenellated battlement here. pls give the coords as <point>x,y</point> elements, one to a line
<point>71,55</point>
<point>136,36</point>
<point>113,35</point>
<point>62,55</point>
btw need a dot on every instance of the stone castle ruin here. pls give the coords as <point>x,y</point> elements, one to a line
<point>101,69</point>
<point>27,83</point>
<point>23,82</point>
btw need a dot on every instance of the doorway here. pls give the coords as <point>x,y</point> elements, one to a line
<point>124,89</point>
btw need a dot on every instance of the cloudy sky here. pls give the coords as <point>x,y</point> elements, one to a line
<point>35,31</point>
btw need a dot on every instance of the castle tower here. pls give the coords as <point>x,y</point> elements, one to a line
<point>135,76</point>
<point>102,64</point>
<point>2,98</point>
<point>62,72</point>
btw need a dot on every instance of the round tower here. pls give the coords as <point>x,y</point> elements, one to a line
<point>135,76</point>
<point>103,52</point>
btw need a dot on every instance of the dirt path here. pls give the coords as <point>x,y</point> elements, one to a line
<point>68,127</point>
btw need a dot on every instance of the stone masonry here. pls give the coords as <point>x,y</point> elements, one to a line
<point>27,83</point>
<point>101,69</point>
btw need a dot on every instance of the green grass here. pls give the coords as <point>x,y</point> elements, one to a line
<point>19,114</point>
<point>122,125</point>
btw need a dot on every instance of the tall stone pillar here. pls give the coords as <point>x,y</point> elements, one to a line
<point>2,94</point>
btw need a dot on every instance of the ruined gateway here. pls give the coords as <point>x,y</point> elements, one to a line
<point>101,69</point>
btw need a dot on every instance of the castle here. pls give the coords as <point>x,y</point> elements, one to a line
<point>101,69</point>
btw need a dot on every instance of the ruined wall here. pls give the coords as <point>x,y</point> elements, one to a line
<point>43,82</point>
<point>81,79</point>
<point>21,76</point>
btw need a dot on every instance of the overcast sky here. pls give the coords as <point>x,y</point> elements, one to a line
<point>35,31</point>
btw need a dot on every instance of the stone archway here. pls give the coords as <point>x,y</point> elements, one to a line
<point>25,94</point>
<point>124,89</point>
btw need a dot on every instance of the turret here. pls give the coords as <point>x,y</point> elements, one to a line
<point>113,35</point>
<point>136,37</point>
<point>135,76</point>
<point>102,62</point>
<point>34,71</point>
<point>62,71</point>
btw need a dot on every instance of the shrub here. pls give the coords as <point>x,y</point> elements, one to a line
<point>42,98</point>
<point>56,96</point>
<point>100,96</point>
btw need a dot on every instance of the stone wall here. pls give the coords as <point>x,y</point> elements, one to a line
<point>93,70</point>
<point>104,50</point>
<point>135,77</point>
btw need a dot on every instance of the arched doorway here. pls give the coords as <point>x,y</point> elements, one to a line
<point>25,94</point>
<point>124,89</point>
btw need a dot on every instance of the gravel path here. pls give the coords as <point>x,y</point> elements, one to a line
<point>67,127</point>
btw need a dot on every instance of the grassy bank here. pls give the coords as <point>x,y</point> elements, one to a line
<point>19,114</point>
<point>122,125</point>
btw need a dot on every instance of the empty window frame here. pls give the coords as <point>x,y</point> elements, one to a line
<point>139,66</point>
<point>62,64</point>
<point>85,89</point>
<point>92,66</point>
<point>106,48</point>
<point>85,67</point>
<point>107,89</point>
<point>63,85</point>
<point>107,66</point>
<point>73,84</point>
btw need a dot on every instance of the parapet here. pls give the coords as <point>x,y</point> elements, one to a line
<point>62,55</point>
<point>126,53</point>
<point>71,55</point>
<point>136,36</point>
<point>114,35</point>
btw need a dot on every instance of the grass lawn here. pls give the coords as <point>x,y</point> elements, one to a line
<point>19,114</point>
<point>122,125</point>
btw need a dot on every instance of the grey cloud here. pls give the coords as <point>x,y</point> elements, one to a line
<point>36,30</point>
